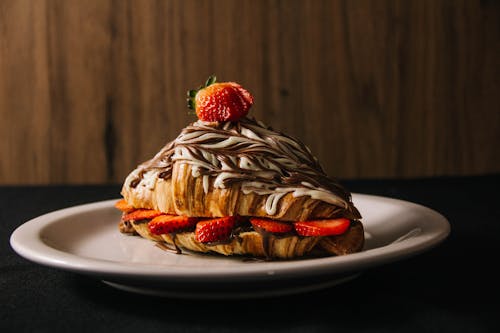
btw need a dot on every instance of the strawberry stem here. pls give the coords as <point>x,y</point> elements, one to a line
<point>191,94</point>
<point>211,80</point>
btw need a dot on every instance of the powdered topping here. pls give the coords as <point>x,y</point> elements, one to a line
<point>246,152</point>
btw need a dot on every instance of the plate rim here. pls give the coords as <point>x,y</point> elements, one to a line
<point>24,242</point>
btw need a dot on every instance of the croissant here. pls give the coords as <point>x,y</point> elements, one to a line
<point>247,171</point>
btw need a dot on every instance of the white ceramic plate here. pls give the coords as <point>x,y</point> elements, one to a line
<point>85,239</point>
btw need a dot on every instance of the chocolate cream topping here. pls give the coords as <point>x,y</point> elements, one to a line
<point>247,152</point>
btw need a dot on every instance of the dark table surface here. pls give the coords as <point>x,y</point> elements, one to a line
<point>453,287</point>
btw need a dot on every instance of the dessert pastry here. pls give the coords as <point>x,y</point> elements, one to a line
<point>230,185</point>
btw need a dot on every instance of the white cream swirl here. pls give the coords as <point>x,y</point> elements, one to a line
<point>260,159</point>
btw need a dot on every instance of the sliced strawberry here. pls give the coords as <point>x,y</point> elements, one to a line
<point>165,224</point>
<point>322,227</point>
<point>141,214</point>
<point>214,230</point>
<point>271,225</point>
<point>124,206</point>
<point>225,101</point>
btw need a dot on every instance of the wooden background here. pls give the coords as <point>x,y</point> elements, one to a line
<point>89,89</point>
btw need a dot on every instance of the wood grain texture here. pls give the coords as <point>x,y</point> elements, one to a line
<point>89,89</point>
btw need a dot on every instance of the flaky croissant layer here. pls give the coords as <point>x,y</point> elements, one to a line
<point>261,244</point>
<point>183,194</point>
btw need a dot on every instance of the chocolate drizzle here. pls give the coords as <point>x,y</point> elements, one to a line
<point>166,247</point>
<point>247,152</point>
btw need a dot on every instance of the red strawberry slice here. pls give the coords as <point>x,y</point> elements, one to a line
<point>225,101</point>
<point>166,224</point>
<point>271,225</point>
<point>141,214</point>
<point>322,227</point>
<point>214,230</point>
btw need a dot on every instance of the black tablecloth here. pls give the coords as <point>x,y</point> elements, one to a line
<point>450,288</point>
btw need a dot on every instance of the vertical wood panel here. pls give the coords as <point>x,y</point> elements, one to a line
<point>89,89</point>
<point>53,89</point>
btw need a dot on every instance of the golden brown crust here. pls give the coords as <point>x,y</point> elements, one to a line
<point>253,243</point>
<point>184,194</point>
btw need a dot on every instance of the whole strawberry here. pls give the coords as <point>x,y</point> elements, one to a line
<point>225,101</point>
